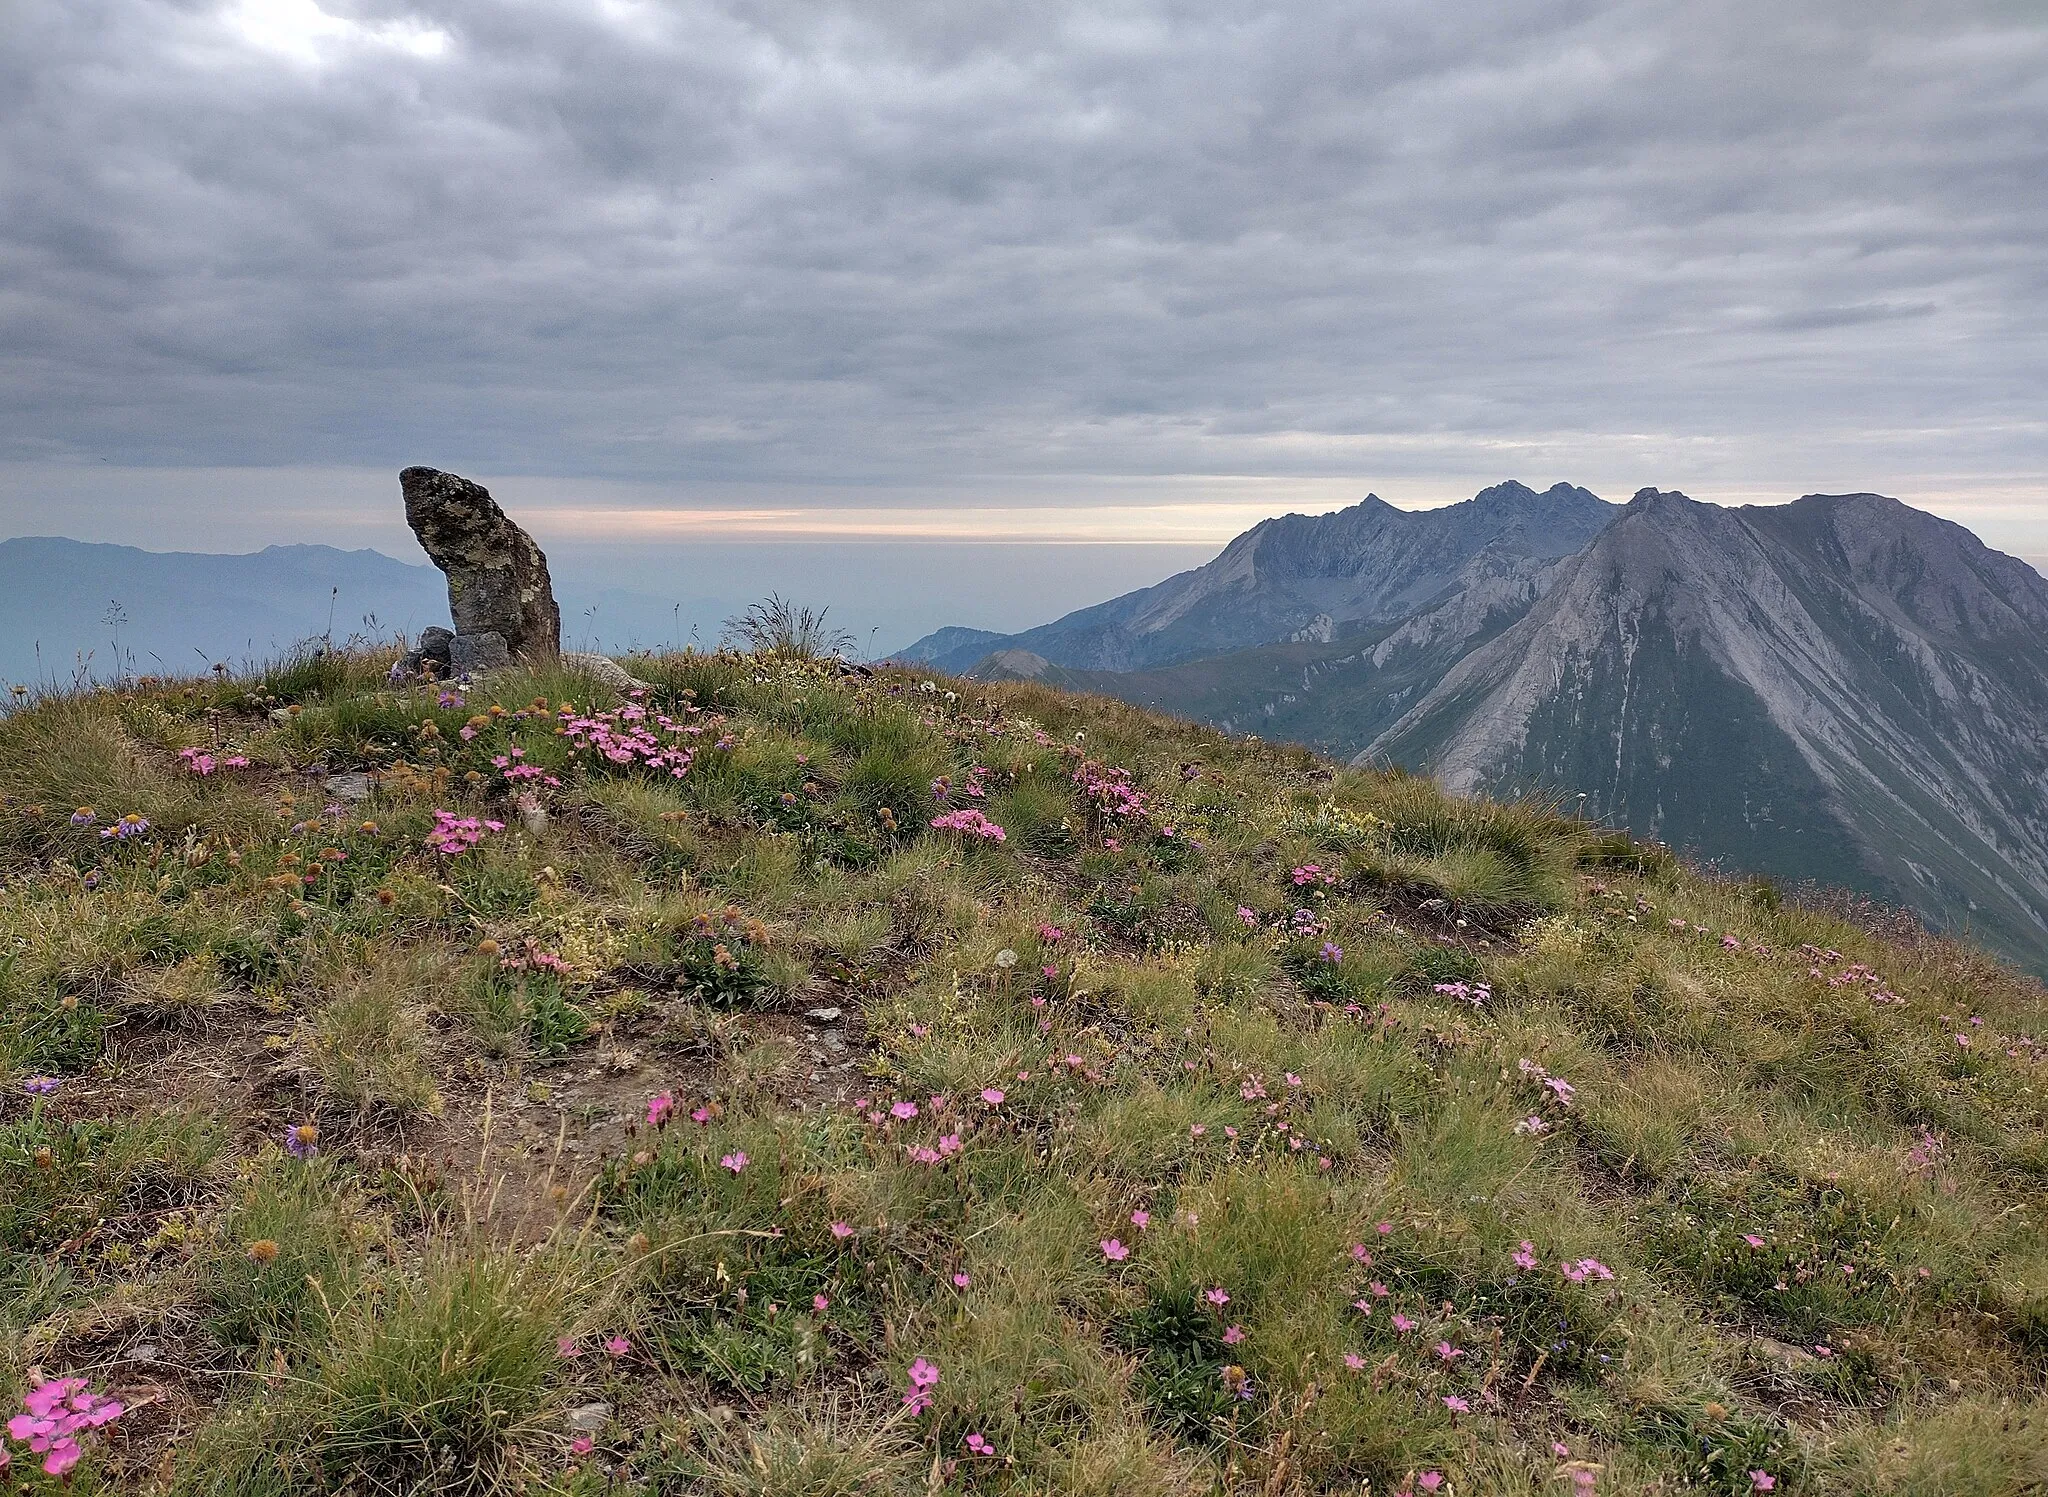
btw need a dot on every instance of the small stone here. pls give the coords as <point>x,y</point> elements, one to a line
<point>822,1015</point>
<point>589,1418</point>
<point>142,1353</point>
<point>473,654</point>
<point>604,670</point>
<point>348,787</point>
<point>431,651</point>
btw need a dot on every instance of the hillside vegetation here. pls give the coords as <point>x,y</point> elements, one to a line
<point>801,1082</point>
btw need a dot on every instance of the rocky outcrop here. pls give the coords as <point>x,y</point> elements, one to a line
<point>499,591</point>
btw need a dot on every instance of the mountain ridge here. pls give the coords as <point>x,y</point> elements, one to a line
<point>1366,564</point>
<point>1841,688</point>
<point>1844,688</point>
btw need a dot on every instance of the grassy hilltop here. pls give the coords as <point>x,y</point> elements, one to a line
<point>651,1099</point>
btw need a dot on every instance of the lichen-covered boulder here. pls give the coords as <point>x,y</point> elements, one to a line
<point>498,581</point>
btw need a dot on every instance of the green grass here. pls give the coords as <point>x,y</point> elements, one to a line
<point>1677,1188</point>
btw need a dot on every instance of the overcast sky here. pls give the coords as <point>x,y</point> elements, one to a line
<point>1099,271</point>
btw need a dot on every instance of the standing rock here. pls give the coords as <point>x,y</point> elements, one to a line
<point>498,586</point>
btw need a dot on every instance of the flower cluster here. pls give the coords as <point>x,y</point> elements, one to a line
<point>131,825</point>
<point>1307,925</point>
<point>454,834</point>
<point>1557,1086</point>
<point>971,822</point>
<point>1109,792</point>
<point>56,1412</point>
<point>1312,873</point>
<point>1587,1268</point>
<point>201,763</point>
<point>624,737</point>
<point>1475,993</point>
<point>508,764</point>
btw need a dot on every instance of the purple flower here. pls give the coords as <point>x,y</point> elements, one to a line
<point>40,1086</point>
<point>302,1141</point>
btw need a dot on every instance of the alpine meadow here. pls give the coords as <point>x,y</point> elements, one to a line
<point>784,1078</point>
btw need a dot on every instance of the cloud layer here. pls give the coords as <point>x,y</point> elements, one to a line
<point>944,245</point>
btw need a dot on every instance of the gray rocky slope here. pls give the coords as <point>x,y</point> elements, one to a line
<point>1309,578</point>
<point>1842,688</point>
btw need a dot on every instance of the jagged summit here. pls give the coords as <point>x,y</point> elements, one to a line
<point>1370,563</point>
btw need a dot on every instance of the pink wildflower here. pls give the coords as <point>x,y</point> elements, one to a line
<point>1232,1335</point>
<point>658,1109</point>
<point>1525,1255</point>
<point>735,1161</point>
<point>1217,1297</point>
<point>1114,1251</point>
<point>1457,1405</point>
<point>924,1376</point>
<point>993,1095</point>
<point>971,822</point>
<point>841,1230</point>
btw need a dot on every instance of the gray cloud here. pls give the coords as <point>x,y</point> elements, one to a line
<point>915,241</point>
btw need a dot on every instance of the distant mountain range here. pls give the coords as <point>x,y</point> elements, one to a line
<point>67,606</point>
<point>71,607</point>
<point>1302,576</point>
<point>1843,688</point>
